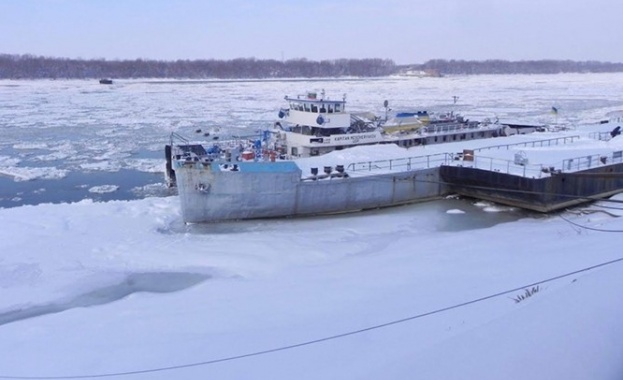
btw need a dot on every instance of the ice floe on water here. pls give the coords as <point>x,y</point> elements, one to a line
<point>493,207</point>
<point>148,165</point>
<point>55,156</point>
<point>498,208</point>
<point>29,174</point>
<point>155,189</point>
<point>8,161</point>
<point>455,211</point>
<point>107,166</point>
<point>30,145</point>
<point>104,189</point>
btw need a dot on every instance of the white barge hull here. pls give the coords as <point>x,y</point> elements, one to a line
<point>212,192</point>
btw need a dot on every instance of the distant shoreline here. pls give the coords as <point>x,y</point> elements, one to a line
<point>36,67</point>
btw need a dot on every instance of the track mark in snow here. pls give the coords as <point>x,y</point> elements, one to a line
<point>161,282</point>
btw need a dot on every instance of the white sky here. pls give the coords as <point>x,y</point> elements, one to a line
<point>406,31</point>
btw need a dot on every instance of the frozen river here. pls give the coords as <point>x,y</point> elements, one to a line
<point>125,290</point>
<point>67,140</point>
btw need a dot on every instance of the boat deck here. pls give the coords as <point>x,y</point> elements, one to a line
<point>540,171</point>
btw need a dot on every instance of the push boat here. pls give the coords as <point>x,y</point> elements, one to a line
<point>261,177</point>
<point>313,125</point>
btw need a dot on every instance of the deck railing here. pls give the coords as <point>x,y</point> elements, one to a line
<point>533,144</point>
<point>433,129</point>
<point>398,164</point>
<point>601,136</point>
<point>506,166</point>
<point>587,162</point>
<point>516,167</point>
<point>486,163</point>
<point>538,170</point>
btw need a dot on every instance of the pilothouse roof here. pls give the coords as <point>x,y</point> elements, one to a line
<point>312,97</point>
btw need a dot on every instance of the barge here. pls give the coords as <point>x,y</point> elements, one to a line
<point>248,179</point>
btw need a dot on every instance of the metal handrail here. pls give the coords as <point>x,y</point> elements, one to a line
<point>487,163</point>
<point>587,162</point>
<point>600,136</point>
<point>539,170</point>
<point>534,143</point>
<point>409,163</point>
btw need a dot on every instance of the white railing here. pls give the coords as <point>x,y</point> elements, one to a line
<point>538,170</point>
<point>587,162</point>
<point>507,167</point>
<point>601,136</point>
<point>486,163</point>
<point>402,164</point>
<point>534,144</point>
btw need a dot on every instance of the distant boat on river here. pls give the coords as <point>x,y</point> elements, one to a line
<point>105,81</point>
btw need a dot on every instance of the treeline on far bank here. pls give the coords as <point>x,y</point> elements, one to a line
<point>36,67</point>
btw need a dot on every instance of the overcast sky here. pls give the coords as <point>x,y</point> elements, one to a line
<point>406,31</point>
